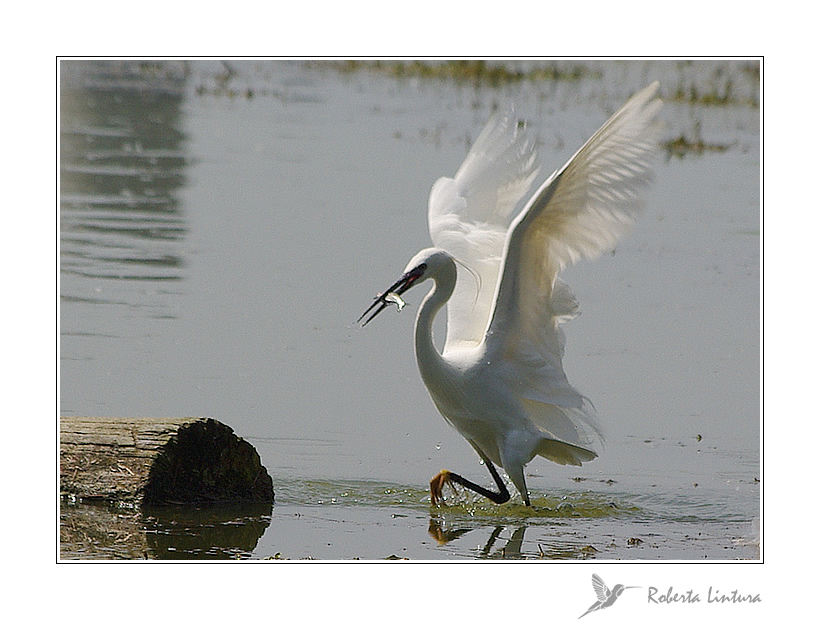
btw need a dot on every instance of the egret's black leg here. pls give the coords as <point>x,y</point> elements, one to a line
<point>502,496</point>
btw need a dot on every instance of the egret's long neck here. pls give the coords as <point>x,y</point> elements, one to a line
<point>430,361</point>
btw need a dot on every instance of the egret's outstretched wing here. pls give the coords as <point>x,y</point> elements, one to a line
<point>584,208</point>
<point>580,211</point>
<point>470,213</point>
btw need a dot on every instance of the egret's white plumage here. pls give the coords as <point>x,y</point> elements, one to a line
<point>499,378</point>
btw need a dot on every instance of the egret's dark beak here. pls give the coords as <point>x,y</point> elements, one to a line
<point>405,283</point>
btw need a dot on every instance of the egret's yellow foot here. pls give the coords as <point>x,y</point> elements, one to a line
<point>436,487</point>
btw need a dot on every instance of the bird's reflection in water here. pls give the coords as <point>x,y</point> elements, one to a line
<point>513,548</point>
<point>444,533</point>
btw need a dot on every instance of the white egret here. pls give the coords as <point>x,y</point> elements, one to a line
<point>499,379</point>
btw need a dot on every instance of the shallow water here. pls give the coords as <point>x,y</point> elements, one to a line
<point>223,225</point>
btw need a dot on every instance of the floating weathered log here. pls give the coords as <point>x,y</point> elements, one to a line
<point>157,461</point>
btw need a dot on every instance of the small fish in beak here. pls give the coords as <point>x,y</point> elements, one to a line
<point>393,294</point>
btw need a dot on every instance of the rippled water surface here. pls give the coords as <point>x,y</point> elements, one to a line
<point>224,224</point>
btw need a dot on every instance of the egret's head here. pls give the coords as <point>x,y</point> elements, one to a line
<point>428,263</point>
